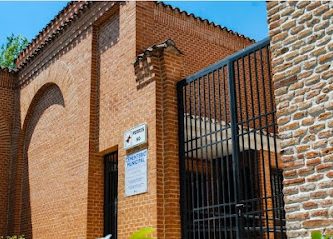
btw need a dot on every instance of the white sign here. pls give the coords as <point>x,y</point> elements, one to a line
<point>135,137</point>
<point>136,181</point>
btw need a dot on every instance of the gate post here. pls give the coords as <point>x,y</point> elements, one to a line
<point>235,147</point>
<point>183,211</point>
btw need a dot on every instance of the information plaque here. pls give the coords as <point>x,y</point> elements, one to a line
<point>136,181</point>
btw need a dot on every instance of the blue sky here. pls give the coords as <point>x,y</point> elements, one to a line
<point>28,18</point>
<point>248,18</point>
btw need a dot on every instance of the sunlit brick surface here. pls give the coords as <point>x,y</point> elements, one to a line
<point>301,46</point>
<point>76,98</point>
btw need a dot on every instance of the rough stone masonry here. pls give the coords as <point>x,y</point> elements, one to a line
<point>302,54</point>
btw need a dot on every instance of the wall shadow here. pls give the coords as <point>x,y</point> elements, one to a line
<point>50,94</point>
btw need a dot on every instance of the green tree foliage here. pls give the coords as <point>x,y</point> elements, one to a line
<point>11,49</point>
<point>12,237</point>
<point>143,233</point>
<point>319,235</point>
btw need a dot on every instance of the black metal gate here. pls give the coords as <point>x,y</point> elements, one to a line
<point>110,194</point>
<point>231,181</point>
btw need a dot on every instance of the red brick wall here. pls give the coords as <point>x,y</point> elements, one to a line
<point>51,190</point>
<point>119,94</point>
<point>52,172</point>
<point>168,185</point>
<point>53,156</point>
<point>123,106</point>
<point>4,165</point>
<point>7,123</point>
<point>79,95</point>
<point>96,165</point>
<point>202,44</point>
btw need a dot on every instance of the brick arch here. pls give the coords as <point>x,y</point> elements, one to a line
<point>58,84</point>
<point>61,75</point>
<point>4,165</point>
<point>48,95</point>
<point>35,111</point>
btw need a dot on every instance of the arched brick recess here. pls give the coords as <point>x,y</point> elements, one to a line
<point>48,97</point>
<point>61,75</point>
<point>4,166</point>
<point>50,201</point>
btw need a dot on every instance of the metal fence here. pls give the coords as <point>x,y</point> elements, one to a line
<point>231,181</point>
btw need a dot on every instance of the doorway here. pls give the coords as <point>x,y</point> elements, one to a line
<point>110,194</point>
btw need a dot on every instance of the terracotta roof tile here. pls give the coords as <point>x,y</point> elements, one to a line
<point>69,13</point>
<point>176,9</point>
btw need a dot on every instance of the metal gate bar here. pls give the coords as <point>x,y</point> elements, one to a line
<point>231,181</point>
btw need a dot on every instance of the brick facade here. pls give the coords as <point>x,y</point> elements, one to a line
<point>74,97</point>
<point>301,47</point>
<point>208,43</point>
<point>8,119</point>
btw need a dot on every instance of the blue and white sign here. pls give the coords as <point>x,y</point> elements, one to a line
<point>136,180</point>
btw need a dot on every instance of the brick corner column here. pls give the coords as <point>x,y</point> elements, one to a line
<point>164,66</point>
<point>8,133</point>
<point>173,63</point>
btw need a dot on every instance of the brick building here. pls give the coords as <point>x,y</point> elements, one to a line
<point>99,69</point>
<point>95,71</point>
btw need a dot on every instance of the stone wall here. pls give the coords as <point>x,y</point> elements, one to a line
<point>302,54</point>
